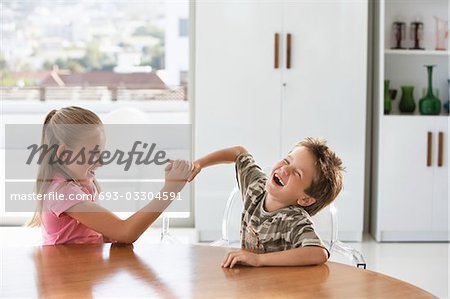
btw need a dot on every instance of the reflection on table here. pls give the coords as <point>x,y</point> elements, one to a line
<point>168,271</point>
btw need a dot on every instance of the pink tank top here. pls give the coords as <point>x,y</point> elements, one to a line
<point>57,226</point>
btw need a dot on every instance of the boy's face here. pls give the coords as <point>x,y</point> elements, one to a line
<point>291,177</point>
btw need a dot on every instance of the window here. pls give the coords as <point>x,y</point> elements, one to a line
<point>93,50</point>
<point>101,55</point>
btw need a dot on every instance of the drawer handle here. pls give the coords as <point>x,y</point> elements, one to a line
<point>288,50</point>
<point>440,149</point>
<point>277,50</point>
<point>429,145</point>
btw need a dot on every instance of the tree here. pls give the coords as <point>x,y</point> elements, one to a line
<point>47,65</point>
<point>153,56</point>
<point>75,66</point>
<point>150,30</point>
<point>92,59</point>
<point>61,63</point>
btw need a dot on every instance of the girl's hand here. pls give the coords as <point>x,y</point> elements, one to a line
<point>242,257</point>
<point>177,174</point>
<point>196,168</point>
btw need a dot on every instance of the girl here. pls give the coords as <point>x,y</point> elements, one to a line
<point>74,129</point>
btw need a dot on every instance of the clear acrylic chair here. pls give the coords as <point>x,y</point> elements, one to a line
<point>166,237</point>
<point>328,217</point>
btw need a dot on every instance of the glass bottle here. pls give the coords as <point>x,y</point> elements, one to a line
<point>407,104</point>
<point>441,33</point>
<point>387,98</point>
<point>430,104</point>
<point>447,107</point>
<point>447,104</point>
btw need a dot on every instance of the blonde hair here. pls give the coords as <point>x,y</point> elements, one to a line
<point>327,182</point>
<point>58,129</point>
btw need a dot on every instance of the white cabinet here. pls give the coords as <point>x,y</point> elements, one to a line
<point>413,186</point>
<point>410,199</point>
<point>241,98</point>
<point>439,161</point>
<point>325,92</point>
<point>237,96</point>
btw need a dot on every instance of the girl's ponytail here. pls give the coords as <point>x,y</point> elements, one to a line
<point>43,173</point>
<point>49,116</point>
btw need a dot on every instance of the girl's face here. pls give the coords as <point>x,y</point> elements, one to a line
<point>83,167</point>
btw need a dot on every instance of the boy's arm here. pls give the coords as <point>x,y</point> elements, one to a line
<point>227,155</point>
<point>302,256</point>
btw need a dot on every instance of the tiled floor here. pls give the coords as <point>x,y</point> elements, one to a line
<point>425,265</point>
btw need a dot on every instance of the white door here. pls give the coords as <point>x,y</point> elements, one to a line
<point>325,91</point>
<point>237,95</point>
<point>405,178</point>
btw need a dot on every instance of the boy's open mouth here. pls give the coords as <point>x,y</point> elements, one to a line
<point>278,180</point>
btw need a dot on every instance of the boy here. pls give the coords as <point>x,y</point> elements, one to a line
<point>276,228</point>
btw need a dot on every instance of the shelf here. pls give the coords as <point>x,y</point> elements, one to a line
<point>416,52</point>
<point>414,116</point>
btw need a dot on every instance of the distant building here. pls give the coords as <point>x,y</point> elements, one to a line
<point>107,85</point>
<point>34,78</point>
<point>129,58</point>
<point>107,79</point>
<point>176,42</point>
<point>101,85</point>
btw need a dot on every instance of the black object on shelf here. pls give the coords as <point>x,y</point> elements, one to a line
<point>393,93</point>
<point>399,29</point>
<point>417,35</point>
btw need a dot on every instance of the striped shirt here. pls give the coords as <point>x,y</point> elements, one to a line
<point>263,231</point>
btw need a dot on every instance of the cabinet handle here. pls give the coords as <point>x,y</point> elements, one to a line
<point>277,50</point>
<point>288,50</point>
<point>429,140</point>
<point>440,149</point>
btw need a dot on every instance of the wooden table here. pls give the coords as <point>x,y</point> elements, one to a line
<point>83,271</point>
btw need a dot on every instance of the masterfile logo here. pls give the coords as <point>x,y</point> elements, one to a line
<point>132,160</point>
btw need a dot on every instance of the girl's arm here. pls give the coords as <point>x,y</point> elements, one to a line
<point>127,231</point>
<point>228,155</point>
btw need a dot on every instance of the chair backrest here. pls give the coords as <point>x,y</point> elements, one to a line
<point>125,115</point>
<point>325,222</point>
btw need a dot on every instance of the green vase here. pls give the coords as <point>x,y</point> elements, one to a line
<point>430,105</point>
<point>387,98</point>
<point>407,104</point>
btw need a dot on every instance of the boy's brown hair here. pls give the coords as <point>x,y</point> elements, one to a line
<point>327,182</point>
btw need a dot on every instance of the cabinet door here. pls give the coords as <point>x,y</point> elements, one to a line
<point>325,91</point>
<point>237,95</point>
<point>440,207</point>
<point>405,195</point>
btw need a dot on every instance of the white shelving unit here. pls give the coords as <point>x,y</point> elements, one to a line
<point>416,52</point>
<point>406,67</point>
<point>410,199</point>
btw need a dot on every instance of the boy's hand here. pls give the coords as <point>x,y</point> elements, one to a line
<point>196,168</point>
<point>177,173</point>
<point>242,257</point>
